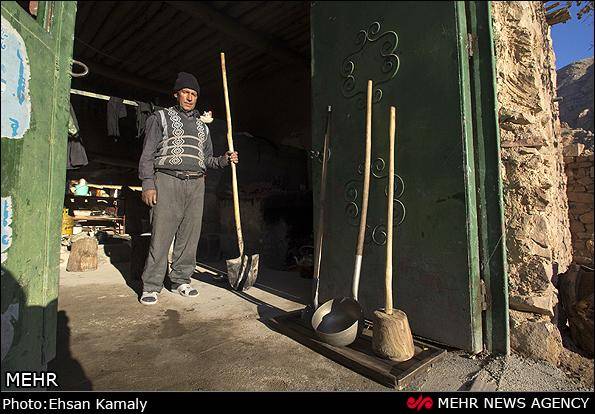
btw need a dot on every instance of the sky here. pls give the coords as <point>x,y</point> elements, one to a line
<point>573,40</point>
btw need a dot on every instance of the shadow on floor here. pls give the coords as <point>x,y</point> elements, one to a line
<point>266,311</point>
<point>22,349</point>
<point>289,286</point>
<point>129,256</point>
<point>69,372</point>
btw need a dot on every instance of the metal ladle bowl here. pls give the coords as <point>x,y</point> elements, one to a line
<point>338,322</point>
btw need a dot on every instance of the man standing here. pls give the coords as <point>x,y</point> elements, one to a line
<point>177,151</point>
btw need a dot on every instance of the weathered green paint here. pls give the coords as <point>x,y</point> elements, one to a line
<point>489,182</point>
<point>33,174</point>
<point>436,252</point>
<point>474,284</point>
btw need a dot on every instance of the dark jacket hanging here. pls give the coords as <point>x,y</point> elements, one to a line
<point>77,156</point>
<point>143,111</point>
<point>115,111</point>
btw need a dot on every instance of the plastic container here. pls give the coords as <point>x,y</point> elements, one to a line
<point>67,223</point>
<point>81,188</point>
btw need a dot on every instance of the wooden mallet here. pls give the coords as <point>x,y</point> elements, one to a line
<point>392,337</point>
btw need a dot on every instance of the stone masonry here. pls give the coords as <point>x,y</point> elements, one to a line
<point>538,238</point>
<point>579,170</point>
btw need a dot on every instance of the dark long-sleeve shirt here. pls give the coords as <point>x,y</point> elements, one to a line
<point>154,136</point>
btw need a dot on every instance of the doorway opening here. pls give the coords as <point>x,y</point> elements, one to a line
<point>134,51</point>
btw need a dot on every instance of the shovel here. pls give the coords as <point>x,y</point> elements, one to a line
<point>309,310</point>
<point>243,270</point>
<point>339,321</point>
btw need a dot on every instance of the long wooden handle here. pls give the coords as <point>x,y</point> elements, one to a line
<point>388,277</point>
<point>321,209</point>
<point>365,193</point>
<point>234,179</point>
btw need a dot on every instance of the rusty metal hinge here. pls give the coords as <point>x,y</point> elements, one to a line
<point>470,44</point>
<point>484,295</point>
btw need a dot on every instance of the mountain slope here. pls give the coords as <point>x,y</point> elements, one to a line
<point>575,85</point>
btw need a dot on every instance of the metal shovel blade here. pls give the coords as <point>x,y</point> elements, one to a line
<point>252,267</point>
<point>242,271</point>
<point>234,271</point>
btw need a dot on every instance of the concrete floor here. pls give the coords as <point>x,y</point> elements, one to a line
<point>222,341</point>
<point>107,340</point>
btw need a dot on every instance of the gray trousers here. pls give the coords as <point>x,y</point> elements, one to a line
<point>178,213</point>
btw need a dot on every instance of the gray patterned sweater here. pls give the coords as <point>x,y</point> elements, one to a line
<point>176,140</point>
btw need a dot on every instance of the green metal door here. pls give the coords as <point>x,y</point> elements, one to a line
<point>416,54</point>
<point>36,64</point>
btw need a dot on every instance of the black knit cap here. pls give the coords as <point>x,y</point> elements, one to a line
<point>186,80</point>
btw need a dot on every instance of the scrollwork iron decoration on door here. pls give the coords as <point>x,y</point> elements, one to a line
<point>375,233</point>
<point>389,68</point>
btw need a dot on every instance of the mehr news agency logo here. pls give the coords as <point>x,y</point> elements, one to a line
<point>421,402</point>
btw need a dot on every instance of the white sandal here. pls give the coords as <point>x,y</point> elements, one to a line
<point>149,298</point>
<point>187,290</point>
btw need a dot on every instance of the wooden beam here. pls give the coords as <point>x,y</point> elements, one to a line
<point>186,42</point>
<point>129,78</point>
<point>118,162</point>
<point>153,49</point>
<point>190,36</point>
<point>206,53</point>
<point>129,31</point>
<point>237,31</point>
<point>150,62</point>
<point>82,15</point>
<point>123,16</point>
<point>551,6</point>
<point>143,38</point>
<point>96,20</point>
<point>558,16</point>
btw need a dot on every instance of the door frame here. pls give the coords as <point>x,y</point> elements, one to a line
<point>48,36</point>
<point>490,206</point>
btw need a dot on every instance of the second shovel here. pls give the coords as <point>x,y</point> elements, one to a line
<point>309,310</point>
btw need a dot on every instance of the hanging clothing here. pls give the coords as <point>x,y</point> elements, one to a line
<point>115,110</point>
<point>73,124</point>
<point>76,154</point>
<point>143,111</point>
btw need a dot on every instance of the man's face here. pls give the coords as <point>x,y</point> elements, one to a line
<point>187,98</point>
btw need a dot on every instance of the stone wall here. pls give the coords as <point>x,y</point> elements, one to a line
<point>536,208</point>
<point>579,170</point>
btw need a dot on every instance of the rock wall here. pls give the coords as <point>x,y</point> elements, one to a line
<point>575,87</point>
<point>579,170</point>
<point>577,136</point>
<point>536,208</point>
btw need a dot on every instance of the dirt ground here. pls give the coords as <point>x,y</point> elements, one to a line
<point>575,363</point>
<point>511,373</point>
<point>223,341</point>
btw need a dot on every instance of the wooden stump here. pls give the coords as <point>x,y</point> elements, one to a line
<point>83,255</point>
<point>392,337</point>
